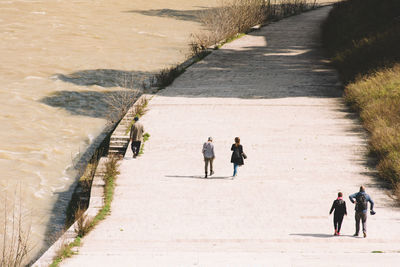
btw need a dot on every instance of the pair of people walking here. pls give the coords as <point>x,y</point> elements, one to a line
<point>360,199</point>
<point>209,155</point>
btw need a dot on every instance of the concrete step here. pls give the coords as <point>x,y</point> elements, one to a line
<point>100,172</point>
<point>118,143</point>
<point>119,151</point>
<point>121,132</point>
<point>119,137</point>
<point>119,148</point>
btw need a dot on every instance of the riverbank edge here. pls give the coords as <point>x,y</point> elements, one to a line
<point>96,201</point>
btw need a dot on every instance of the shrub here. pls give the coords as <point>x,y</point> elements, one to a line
<point>120,102</point>
<point>166,76</point>
<point>225,21</point>
<point>285,8</point>
<point>83,223</point>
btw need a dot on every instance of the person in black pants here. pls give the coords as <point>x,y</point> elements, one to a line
<point>136,136</point>
<point>339,205</point>
<point>237,155</point>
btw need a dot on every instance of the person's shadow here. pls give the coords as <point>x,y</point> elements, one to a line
<point>198,177</point>
<point>317,235</point>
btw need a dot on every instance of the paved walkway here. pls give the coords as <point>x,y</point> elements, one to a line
<point>273,89</point>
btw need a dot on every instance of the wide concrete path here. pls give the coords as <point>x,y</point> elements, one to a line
<point>273,89</point>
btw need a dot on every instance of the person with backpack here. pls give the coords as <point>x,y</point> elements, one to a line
<point>339,205</point>
<point>361,200</point>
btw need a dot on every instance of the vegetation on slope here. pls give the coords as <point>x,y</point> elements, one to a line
<point>362,38</point>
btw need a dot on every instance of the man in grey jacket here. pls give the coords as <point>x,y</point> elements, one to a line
<point>361,200</point>
<point>136,136</point>
<point>209,155</point>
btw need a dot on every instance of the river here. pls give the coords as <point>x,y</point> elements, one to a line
<point>59,60</point>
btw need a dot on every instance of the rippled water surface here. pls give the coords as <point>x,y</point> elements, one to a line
<point>59,60</point>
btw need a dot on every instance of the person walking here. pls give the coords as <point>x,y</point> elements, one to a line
<point>339,205</point>
<point>361,200</point>
<point>237,155</point>
<point>209,156</point>
<point>136,136</point>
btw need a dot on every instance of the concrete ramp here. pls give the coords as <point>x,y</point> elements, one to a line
<point>274,90</point>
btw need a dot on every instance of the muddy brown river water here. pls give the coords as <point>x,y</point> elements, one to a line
<point>58,61</point>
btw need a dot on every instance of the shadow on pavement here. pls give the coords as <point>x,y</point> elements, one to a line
<point>314,235</point>
<point>198,177</point>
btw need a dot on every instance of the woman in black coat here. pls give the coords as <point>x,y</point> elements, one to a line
<point>237,155</point>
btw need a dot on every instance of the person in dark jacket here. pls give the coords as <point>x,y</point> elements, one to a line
<point>136,136</point>
<point>361,200</point>
<point>339,205</point>
<point>237,155</point>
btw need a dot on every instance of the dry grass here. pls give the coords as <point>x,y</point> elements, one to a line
<point>15,241</point>
<point>83,222</point>
<point>278,9</point>
<point>225,21</point>
<point>166,76</point>
<point>377,98</point>
<point>141,107</point>
<point>362,37</point>
<point>66,250</point>
<point>120,102</point>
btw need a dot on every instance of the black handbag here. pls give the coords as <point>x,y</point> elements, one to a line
<point>244,155</point>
